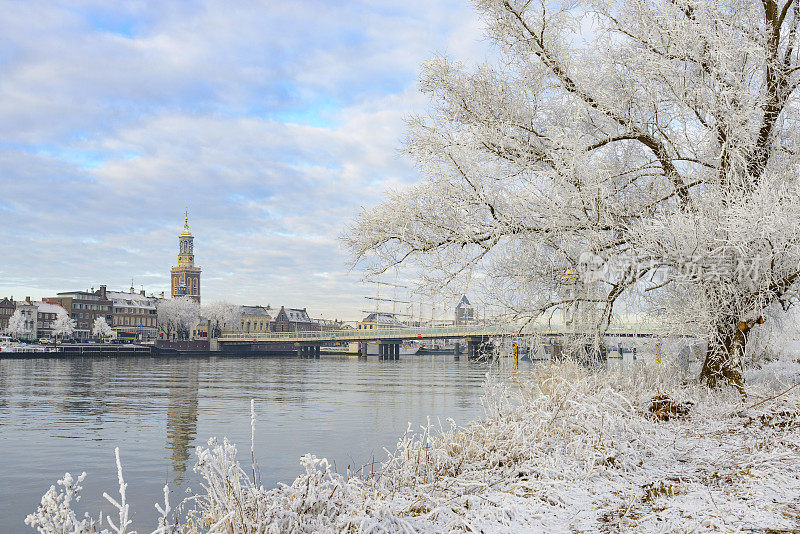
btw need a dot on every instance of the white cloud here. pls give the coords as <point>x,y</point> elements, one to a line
<point>276,122</point>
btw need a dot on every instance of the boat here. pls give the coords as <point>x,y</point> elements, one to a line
<point>441,347</point>
<point>406,349</point>
<point>340,349</point>
<point>8,345</point>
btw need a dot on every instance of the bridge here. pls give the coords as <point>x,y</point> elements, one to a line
<point>388,339</point>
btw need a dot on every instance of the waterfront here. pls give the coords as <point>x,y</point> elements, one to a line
<point>60,415</point>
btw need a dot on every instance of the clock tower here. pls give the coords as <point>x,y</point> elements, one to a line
<point>186,275</point>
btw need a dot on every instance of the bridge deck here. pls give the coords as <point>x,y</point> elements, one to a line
<point>406,334</point>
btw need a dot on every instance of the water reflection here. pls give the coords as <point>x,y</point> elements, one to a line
<point>182,415</point>
<point>69,415</point>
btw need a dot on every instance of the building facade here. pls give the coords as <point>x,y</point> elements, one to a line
<point>84,307</point>
<point>46,314</point>
<point>135,316</point>
<point>379,320</point>
<point>185,277</point>
<point>256,319</point>
<point>7,307</point>
<point>30,313</point>
<point>293,320</point>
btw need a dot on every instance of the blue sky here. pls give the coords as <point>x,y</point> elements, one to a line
<point>275,122</point>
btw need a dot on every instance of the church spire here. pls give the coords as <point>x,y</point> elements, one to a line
<point>186,223</point>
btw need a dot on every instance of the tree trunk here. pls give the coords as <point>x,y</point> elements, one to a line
<point>723,364</point>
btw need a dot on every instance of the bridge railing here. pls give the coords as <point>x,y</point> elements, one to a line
<point>369,334</point>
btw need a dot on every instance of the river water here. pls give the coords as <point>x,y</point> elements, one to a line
<point>59,415</point>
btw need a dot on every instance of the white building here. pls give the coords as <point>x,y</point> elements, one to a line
<point>30,313</point>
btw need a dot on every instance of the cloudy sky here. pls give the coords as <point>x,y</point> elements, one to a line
<point>274,121</point>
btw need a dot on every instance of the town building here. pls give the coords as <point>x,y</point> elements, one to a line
<point>200,330</point>
<point>379,320</point>
<point>256,319</point>
<point>328,325</point>
<point>185,276</point>
<point>465,312</point>
<point>293,320</point>
<point>7,308</point>
<point>46,314</point>
<point>84,307</point>
<point>29,311</point>
<point>135,316</point>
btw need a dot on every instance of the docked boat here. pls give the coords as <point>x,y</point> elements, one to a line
<point>8,345</point>
<point>406,349</point>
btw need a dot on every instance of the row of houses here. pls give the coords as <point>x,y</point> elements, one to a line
<point>38,317</point>
<point>134,315</point>
<point>259,319</point>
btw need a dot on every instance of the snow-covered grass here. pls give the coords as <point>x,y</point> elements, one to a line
<point>562,448</point>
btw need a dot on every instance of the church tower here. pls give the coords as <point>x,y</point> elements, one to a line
<point>186,276</point>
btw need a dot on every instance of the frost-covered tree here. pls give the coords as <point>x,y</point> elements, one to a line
<point>177,317</point>
<point>16,324</point>
<point>659,137</point>
<point>101,329</point>
<point>221,315</point>
<point>63,326</point>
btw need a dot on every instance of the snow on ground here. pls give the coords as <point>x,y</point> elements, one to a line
<point>562,448</point>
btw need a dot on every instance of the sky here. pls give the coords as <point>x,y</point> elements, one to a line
<point>275,122</point>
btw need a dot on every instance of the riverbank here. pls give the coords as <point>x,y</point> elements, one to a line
<point>560,449</point>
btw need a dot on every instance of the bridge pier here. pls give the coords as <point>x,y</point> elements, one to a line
<point>388,351</point>
<point>457,350</point>
<point>308,351</point>
<point>476,346</point>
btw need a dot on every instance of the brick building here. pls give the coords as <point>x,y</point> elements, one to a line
<point>7,308</point>
<point>45,317</point>
<point>294,320</point>
<point>84,307</point>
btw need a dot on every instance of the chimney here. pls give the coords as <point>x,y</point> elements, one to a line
<point>141,292</point>
<point>28,300</point>
<point>103,292</point>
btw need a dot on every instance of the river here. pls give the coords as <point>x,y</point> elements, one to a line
<point>59,415</point>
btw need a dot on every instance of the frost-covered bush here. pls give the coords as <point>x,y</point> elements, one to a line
<point>55,513</point>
